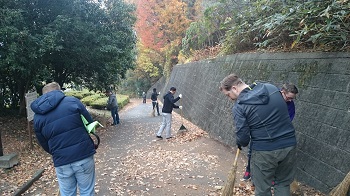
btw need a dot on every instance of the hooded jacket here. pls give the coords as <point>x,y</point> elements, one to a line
<point>261,116</point>
<point>59,128</point>
<point>154,96</point>
<point>112,101</point>
<point>169,103</point>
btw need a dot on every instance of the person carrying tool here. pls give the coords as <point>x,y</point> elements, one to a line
<point>261,117</point>
<point>168,105</point>
<point>288,92</point>
<point>154,98</point>
<point>60,132</point>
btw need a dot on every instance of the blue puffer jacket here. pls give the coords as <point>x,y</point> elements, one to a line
<point>59,128</point>
<point>261,115</point>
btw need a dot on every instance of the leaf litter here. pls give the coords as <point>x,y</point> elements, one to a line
<point>172,167</point>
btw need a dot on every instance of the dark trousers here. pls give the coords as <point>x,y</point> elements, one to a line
<point>155,104</point>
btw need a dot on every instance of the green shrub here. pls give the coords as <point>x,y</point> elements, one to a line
<point>91,98</point>
<point>97,101</point>
<point>101,103</point>
<point>122,100</point>
<point>79,94</point>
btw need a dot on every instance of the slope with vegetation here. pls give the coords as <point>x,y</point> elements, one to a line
<point>215,28</point>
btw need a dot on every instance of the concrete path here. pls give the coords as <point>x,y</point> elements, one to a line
<point>132,161</point>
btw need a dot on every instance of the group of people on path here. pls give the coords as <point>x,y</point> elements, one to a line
<point>260,113</point>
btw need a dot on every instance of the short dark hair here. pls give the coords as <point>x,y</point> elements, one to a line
<point>290,88</point>
<point>172,89</point>
<point>154,89</point>
<point>229,81</point>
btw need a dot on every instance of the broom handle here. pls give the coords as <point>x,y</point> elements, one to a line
<point>181,111</point>
<point>236,158</point>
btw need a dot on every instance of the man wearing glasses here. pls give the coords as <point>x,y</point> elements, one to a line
<point>289,92</point>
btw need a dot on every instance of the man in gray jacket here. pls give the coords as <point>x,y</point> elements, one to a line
<point>261,117</point>
<point>112,104</point>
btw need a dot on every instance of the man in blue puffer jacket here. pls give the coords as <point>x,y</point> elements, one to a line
<point>60,131</point>
<point>261,117</point>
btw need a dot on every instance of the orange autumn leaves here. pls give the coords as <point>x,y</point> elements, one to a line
<point>161,22</point>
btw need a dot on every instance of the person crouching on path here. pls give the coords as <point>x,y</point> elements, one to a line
<point>60,131</point>
<point>261,117</point>
<point>154,98</point>
<point>168,105</point>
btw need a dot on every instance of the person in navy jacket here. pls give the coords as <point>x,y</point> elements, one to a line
<point>261,117</point>
<point>60,131</point>
<point>168,106</point>
<point>289,92</point>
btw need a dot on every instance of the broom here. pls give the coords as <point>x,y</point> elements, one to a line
<point>343,188</point>
<point>230,183</point>
<point>182,128</point>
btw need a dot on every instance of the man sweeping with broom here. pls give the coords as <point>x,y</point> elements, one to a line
<point>168,106</point>
<point>261,116</point>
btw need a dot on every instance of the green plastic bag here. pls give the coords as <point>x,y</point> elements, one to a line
<point>91,128</point>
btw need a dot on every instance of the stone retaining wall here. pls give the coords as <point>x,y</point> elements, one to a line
<point>322,118</point>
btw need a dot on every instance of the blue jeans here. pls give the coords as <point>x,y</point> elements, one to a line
<point>80,173</point>
<point>115,115</point>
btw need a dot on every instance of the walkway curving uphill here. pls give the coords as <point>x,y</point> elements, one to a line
<point>132,161</point>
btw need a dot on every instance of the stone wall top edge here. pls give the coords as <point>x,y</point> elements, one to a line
<point>274,56</point>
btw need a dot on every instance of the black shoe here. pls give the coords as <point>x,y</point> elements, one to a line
<point>158,114</point>
<point>169,137</point>
<point>159,137</point>
<point>113,124</point>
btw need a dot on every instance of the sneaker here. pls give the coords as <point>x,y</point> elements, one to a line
<point>169,137</point>
<point>159,137</point>
<point>246,176</point>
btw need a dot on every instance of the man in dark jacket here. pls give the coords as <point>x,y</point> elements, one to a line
<point>288,91</point>
<point>154,98</point>
<point>168,105</point>
<point>261,117</point>
<point>112,104</point>
<point>60,131</point>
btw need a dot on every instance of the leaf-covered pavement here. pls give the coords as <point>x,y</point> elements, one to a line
<point>131,160</point>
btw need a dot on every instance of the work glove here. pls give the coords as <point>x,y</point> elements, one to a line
<point>180,107</point>
<point>159,93</point>
<point>239,146</point>
<point>180,96</point>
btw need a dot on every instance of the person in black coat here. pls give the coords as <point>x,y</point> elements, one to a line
<point>168,105</point>
<point>154,98</point>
